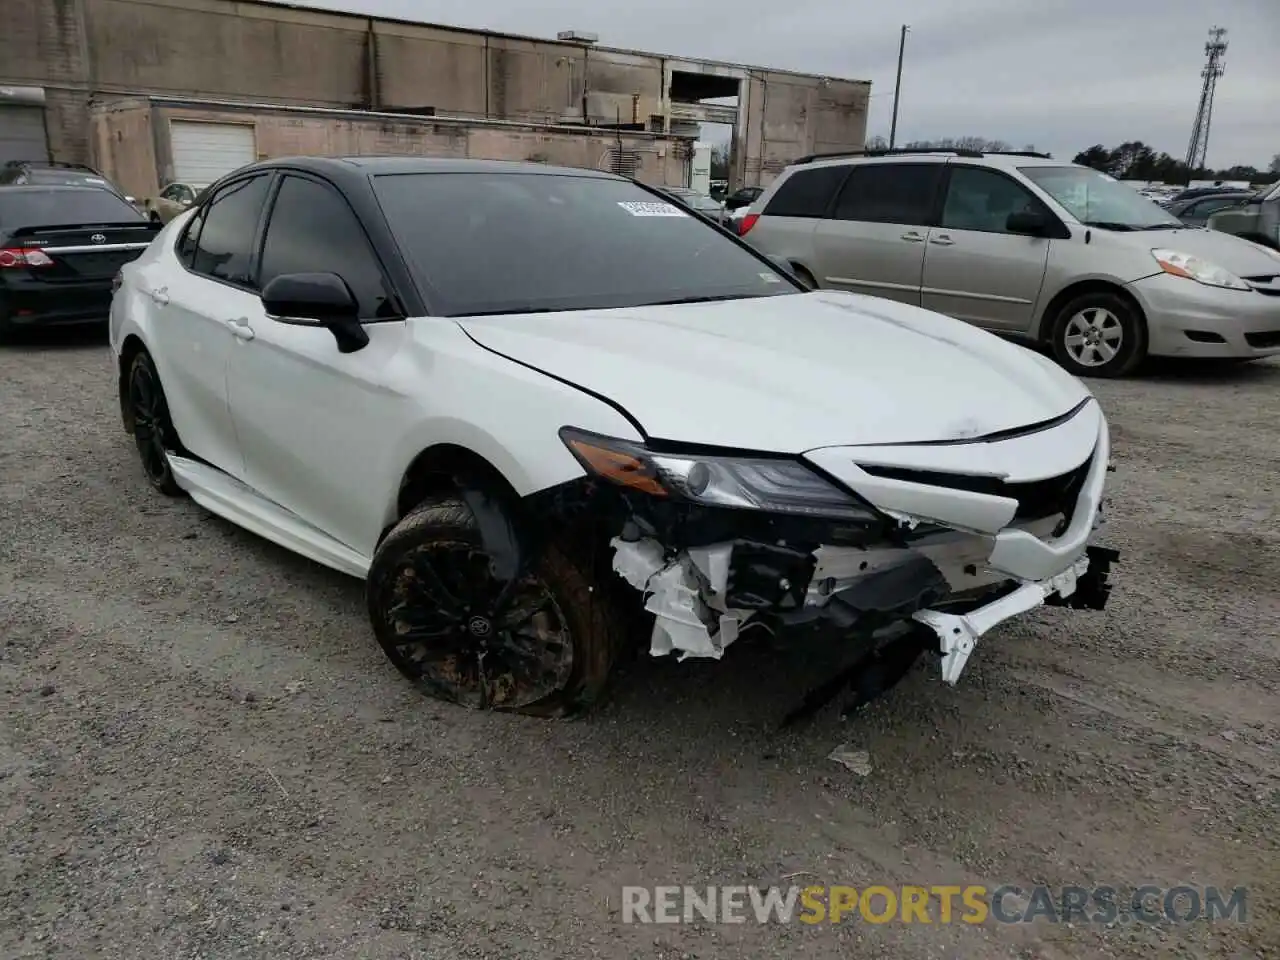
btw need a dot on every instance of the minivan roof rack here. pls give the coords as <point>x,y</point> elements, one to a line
<point>906,151</point>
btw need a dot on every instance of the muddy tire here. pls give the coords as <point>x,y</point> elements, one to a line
<point>1099,335</point>
<point>544,647</point>
<point>153,431</point>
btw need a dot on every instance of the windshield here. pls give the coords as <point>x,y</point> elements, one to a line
<point>1096,200</point>
<point>526,243</point>
<point>28,207</point>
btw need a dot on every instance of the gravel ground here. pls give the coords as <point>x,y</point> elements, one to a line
<point>203,753</point>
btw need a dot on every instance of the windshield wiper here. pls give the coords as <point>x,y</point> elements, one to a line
<point>1167,225</point>
<point>1109,225</point>
<point>714,299</point>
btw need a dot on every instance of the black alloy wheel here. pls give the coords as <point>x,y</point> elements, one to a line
<point>152,428</point>
<point>541,644</point>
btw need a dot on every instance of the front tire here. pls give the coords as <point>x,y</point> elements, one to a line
<point>1099,335</point>
<point>153,431</point>
<point>543,648</point>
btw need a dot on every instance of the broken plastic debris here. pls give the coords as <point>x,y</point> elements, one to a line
<point>859,761</point>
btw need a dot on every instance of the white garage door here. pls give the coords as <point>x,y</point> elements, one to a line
<point>22,132</point>
<point>203,152</point>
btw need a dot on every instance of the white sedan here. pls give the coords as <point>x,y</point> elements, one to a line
<point>502,393</point>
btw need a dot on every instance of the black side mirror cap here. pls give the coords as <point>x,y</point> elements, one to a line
<point>320,300</point>
<point>1028,222</point>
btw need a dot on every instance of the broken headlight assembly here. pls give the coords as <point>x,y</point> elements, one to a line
<point>773,485</point>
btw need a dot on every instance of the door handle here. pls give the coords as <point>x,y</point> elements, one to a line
<point>240,327</point>
<point>160,296</point>
<point>942,241</point>
<point>912,237</point>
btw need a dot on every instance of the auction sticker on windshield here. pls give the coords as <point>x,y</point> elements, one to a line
<point>641,208</point>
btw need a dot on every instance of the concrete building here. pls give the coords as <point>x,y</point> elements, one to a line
<point>59,56</point>
<point>146,142</point>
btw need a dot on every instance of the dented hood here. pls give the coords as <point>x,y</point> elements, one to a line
<point>790,373</point>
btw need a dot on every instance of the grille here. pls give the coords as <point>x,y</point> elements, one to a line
<point>1268,285</point>
<point>1037,499</point>
<point>1263,341</point>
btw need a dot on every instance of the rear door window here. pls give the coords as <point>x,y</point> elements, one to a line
<point>902,193</point>
<point>224,248</point>
<point>807,193</point>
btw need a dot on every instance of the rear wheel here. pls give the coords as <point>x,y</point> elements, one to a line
<point>153,430</point>
<point>544,645</point>
<point>1099,335</point>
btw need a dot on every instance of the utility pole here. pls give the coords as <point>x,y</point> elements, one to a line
<point>897,88</point>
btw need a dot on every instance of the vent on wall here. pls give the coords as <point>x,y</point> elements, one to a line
<point>625,163</point>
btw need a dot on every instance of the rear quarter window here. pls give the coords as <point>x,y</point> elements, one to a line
<point>806,193</point>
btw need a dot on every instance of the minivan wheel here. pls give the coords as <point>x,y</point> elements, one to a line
<point>1099,335</point>
<point>544,647</point>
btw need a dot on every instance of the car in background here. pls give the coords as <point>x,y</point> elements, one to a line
<point>1257,218</point>
<point>1195,212</point>
<point>1192,193</point>
<point>60,248</point>
<point>1025,246</point>
<point>699,203</point>
<point>173,200</point>
<point>736,205</point>
<point>53,173</point>
<point>524,402</point>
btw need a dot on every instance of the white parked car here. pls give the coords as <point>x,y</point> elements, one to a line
<point>501,420</point>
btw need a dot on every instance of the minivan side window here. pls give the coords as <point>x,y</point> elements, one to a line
<point>224,248</point>
<point>807,193</point>
<point>890,193</point>
<point>981,200</point>
<point>313,230</point>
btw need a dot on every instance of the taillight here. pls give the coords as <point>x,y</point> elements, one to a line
<point>15,257</point>
<point>748,222</point>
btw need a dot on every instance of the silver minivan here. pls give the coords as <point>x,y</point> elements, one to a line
<point>1027,246</point>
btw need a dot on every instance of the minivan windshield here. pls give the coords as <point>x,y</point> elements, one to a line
<point>1097,200</point>
<point>496,243</point>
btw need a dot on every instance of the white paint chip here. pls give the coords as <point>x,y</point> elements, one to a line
<point>859,761</point>
<point>639,208</point>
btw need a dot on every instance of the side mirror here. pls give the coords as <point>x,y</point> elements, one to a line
<point>317,300</point>
<point>1031,223</point>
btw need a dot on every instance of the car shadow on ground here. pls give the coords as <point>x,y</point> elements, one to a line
<point>1174,370</point>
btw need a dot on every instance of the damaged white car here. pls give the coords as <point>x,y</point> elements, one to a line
<point>525,402</point>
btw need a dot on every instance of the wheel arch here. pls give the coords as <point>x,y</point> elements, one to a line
<point>130,348</point>
<point>448,469</point>
<point>1078,289</point>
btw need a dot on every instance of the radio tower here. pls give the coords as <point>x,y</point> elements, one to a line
<point>1215,53</point>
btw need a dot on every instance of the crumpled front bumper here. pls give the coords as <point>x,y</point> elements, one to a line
<point>967,546</point>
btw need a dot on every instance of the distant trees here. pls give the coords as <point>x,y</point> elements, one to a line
<point>1134,160</point>
<point>720,162</point>
<point>980,144</point>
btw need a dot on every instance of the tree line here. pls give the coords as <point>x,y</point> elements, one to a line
<point>1135,160</point>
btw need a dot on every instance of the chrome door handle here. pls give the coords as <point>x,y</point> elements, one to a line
<point>240,327</point>
<point>913,237</point>
<point>160,296</point>
<point>943,241</point>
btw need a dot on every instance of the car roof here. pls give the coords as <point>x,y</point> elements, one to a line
<point>339,168</point>
<point>52,188</point>
<point>1003,161</point>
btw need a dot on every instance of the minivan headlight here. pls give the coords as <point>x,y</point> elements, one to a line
<point>778,485</point>
<point>1193,268</point>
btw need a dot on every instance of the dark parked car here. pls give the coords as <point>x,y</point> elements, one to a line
<point>1192,193</point>
<point>60,248</point>
<point>1195,212</point>
<point>50,173</point>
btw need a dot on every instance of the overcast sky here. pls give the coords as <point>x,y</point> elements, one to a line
<point>1059,74</point>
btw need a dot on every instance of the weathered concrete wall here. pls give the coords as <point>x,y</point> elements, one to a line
<point>139,157</point>
<point>223,49</point>
<point>788,116</point>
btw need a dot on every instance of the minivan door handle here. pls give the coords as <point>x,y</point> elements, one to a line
<point>912,237</point>
<point>942,241</point>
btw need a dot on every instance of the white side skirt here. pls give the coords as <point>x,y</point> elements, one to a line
<point>232,500</point>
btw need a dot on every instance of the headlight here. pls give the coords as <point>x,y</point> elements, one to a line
<point>1193,268</point>
<point>774,485</point>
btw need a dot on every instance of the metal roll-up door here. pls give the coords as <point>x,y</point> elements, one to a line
<point>203,152</point>
<point>22,134</point>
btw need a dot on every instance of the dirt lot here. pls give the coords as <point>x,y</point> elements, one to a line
<point>203,753</point>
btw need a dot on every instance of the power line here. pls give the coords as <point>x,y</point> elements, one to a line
<point>1215,55</point>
